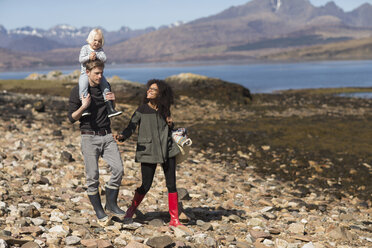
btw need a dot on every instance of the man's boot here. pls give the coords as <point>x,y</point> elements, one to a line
<point>173,209</point>
<point>95,200</point>
<point>111,110</point>
<point>137,199</point>
<point>112,202</point>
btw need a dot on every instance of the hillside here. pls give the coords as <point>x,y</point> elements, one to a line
<point>17,60</point>
<point>353,49</point>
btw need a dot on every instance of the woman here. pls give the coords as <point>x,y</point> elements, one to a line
<point>155,144</point>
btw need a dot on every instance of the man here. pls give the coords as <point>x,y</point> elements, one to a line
<point>97,140</point>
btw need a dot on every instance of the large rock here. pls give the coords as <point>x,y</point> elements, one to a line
<point>128,92</point>
<point>202,87</point>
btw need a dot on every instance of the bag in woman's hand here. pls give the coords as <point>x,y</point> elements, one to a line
<point>179,135</point>
<point>183,142</point>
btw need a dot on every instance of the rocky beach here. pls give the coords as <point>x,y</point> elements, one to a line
<point>286,170</point>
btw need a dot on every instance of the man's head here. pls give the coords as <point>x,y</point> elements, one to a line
<point>94,71</point>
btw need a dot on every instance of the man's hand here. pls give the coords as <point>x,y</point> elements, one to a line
<point>110,96</point>
<point>85,101</point>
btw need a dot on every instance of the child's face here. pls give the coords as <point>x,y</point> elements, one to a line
<point>97,42</point>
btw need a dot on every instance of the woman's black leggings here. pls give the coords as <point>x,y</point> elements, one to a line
<point>148,172</point>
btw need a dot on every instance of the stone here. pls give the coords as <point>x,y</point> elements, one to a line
<point>72,240</point>
<point>339,233</point>
<point>79,221</point>
<point>156,222</point>
<point>296,228</point>
<point>39,106</point>
<point>308,245</point>
<point>3,244</point>
<point>259,234</point>
<point>31,211</point>
<point>134,244</point>
<point>160,242</point>
<point>210,242</point>
<point>60,231</point>
<point>255,222</point>
<point>183,194</point>
<point>280,243</point>
<point>207,227</point>
<point>120,242</point>
<point>66,157</point>
<point>31,245</point>
<point>13,241</point>
<point>242,244</point>
<point>31,230</point>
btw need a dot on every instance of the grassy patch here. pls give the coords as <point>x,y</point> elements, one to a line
<point>43,87</point>
<point>328,90</point>
<point>287,42</point>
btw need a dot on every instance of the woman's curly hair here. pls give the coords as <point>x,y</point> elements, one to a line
<point>165,96</point>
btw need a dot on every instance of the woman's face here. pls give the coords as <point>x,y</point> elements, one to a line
<point>153,92</point>
<point>97,42</point>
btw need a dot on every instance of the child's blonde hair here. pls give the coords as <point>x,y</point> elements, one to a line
<point>93,33</point>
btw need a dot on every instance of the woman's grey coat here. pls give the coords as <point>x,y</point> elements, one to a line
<point>155,144</point>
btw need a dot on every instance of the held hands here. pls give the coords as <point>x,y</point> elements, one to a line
<point>119,138</point>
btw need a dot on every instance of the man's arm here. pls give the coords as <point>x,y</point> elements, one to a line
<point>77,107</point>
<point>85,102</point>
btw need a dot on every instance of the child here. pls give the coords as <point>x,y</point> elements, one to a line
<point>89,52</point>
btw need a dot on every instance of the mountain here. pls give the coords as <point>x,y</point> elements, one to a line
<point>34,44</point>
<point>345,50</point>
<point>62,35</point>
<point>212,37</point>
<point>362,16</point>
<point>249,31</point>
<point>17,60</point>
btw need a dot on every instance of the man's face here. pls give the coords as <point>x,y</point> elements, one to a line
<point>95,76</point>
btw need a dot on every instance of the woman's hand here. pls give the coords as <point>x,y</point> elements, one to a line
<point>169,121</point>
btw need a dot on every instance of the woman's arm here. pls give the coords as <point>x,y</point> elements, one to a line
<point>131,128</point>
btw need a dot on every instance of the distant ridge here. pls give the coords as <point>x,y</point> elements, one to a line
<point>251,31</point>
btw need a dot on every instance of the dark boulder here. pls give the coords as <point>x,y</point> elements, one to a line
<point>202,87</point>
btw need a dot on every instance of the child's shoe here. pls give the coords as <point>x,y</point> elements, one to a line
<point>86,113</point>
<point>110,109</point>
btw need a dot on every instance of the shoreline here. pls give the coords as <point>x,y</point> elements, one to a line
<point>258,78</point>
<point>184,64</point>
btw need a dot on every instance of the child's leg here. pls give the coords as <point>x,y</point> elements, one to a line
<point>83,85</point>
<point>109,104</point>
<point>104,87</point>
<point>83,90</point>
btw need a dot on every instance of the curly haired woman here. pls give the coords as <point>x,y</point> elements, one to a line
<point>154,144</point>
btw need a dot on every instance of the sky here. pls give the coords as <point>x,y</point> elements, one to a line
<point>113,14</point>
